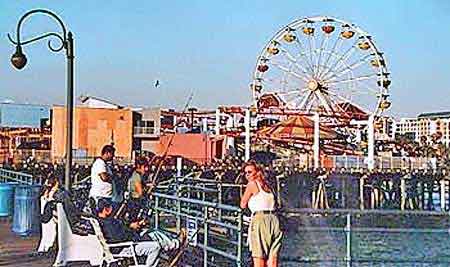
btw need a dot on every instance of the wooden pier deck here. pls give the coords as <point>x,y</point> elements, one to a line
<point>17,251</point>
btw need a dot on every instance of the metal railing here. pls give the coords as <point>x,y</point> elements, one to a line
<point>18,177</point>
<point>218,238</point>
<point>359,162</point>
<point>39,155</point>
<point>89,160</point>
<point>200,190</point>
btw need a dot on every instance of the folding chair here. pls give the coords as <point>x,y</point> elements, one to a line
<point>109,257</point>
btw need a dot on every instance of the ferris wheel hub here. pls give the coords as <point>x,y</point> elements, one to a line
<point>313,85</point>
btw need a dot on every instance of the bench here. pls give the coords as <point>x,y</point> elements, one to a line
<point>73,247</point>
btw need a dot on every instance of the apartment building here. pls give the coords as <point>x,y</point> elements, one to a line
<point>426,124</point>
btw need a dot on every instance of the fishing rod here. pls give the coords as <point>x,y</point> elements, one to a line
<point>120,212</point>
<point>155,179</point>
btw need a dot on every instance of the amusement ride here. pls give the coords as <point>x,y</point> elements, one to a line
<point>318,82</point>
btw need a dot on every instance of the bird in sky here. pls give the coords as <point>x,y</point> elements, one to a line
<point>156,83</point>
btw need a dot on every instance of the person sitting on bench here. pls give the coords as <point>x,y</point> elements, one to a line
<point>48,218</point>
<point>148,244</point>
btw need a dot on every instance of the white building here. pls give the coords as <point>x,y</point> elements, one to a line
<point>409,127</point>
<point>426,124</point>
<point>435,123</point>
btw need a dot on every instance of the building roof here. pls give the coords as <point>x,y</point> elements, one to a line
<point>84,99</point>
<point>434,115</point>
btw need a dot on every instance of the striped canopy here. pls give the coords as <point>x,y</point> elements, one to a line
<point>296,128</point>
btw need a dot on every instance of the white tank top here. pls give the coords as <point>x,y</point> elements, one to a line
<point>261,201</point>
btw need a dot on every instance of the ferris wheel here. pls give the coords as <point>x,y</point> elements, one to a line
<point>325,65</point>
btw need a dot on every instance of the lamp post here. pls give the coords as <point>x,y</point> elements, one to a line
<point>19,60</point>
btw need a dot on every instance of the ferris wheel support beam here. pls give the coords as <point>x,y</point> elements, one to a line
<point>316,144</point>
<point>305,100</point>
<point>323,101</point>
<point>370,143</point>
<point>230,140</point>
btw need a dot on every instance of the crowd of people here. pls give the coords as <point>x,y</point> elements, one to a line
<point>118,197</point>
<point>108,208</point>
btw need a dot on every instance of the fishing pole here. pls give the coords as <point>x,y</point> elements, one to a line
<point>155,177</point>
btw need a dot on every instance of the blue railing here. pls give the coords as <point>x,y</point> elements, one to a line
<point>18,177</point>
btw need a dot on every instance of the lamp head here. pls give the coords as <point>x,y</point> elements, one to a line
<point>18,59</point>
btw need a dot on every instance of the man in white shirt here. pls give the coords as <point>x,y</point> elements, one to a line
<point>101,175</point>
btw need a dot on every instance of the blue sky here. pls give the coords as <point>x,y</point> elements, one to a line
<point>210,48</point>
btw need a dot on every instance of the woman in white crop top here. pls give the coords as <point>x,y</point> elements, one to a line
<point>264,230</point>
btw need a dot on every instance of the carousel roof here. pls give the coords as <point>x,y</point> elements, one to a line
<point>353,111</point>
<point>296,128</point>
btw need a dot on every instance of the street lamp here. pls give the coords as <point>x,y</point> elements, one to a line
<point>19,60</point>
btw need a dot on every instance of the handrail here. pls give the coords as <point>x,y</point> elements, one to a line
<point>199,202</point>
<point>201,211</point>
<point>206,185</point>
<point>295,211</point>
<point>19,177</point>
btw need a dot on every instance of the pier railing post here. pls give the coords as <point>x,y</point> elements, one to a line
<point>316,141</point>
<point>179,166</point>
<point>348,232</point>
<point>219,199</point>
<point>247,125</point>
<point>156,212</point>
<point>278,190</point>
<point>240,243</point>
<point>205,237</point>
<point>361,192</point>
<point>178,210</point>
<point>370,143</point>
<point>442,193</point>
<point>402,193</point>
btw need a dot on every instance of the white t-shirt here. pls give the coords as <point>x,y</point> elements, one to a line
<point>100,188</point>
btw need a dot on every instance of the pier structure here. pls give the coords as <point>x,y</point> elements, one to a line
<point>349,204</point>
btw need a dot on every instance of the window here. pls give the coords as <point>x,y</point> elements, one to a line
<point>146,123</point>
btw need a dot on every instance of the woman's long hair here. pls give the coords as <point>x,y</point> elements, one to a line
<point>260,171</point>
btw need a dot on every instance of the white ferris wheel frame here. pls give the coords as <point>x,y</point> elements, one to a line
<point>312,68</point>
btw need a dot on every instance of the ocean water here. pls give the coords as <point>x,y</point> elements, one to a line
<point>328,248</point>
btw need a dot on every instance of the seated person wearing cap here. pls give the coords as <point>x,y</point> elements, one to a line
<point>148,244</point>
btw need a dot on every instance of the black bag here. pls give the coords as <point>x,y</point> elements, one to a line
<point>49,208</point>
